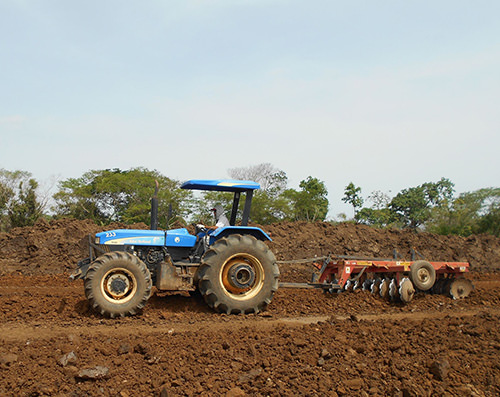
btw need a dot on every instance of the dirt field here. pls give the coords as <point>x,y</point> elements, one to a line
<point>306,343</point>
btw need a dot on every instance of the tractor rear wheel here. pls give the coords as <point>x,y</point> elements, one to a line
<point>238,274</point>
<point>118,284</point>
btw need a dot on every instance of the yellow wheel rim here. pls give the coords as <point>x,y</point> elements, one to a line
<point>118,285</point>
<point>242,276</point>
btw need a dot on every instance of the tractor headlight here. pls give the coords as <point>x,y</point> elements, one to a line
<point>97,240</point>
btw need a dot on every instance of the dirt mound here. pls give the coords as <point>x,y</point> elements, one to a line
<point>306,240</point>
<point>56,246</point>
<point>49,247</point>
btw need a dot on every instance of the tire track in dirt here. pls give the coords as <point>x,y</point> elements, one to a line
<point>13,332</point>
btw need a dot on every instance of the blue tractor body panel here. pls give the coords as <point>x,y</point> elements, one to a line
<point>132,237</point>
<point>171,238</point>
<point>158,238</point>
<point>180,238</point>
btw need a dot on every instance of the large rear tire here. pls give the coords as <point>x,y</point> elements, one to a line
<point>238,274</point>
<point>118,284</point>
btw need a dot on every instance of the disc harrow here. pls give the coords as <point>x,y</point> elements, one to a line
<point>395,280</point>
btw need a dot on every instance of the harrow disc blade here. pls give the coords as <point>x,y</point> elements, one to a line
<point>393,290</point>
<point>460,288</point>
<point>384,289</point>
<point>375,288</point>
<point>406,290</point>
<point>367,284</point>
<point>446,287</point>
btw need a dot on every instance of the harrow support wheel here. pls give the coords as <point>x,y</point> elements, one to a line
<point>423,275</point>
<point>238,274</point>
<point>118,284</point>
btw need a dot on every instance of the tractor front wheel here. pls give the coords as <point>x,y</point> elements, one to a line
<point>238,274</point>
<point>118,284</point>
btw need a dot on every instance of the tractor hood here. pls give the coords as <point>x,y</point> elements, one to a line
<point>172,238</point>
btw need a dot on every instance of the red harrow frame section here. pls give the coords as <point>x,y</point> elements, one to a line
<point>391,279</point>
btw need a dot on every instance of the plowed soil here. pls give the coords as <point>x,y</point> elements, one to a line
<point>306,343</point>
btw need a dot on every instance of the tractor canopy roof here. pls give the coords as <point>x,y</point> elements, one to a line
<point>220,185</point>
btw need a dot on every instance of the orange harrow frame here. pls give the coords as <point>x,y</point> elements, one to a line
<point>343,270</point>
<point>334,273</point>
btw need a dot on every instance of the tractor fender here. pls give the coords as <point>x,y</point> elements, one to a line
<point>256,232</point>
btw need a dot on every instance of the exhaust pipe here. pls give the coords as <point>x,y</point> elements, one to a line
<point>154,209</point>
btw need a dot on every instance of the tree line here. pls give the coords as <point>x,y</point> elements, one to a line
<point>432,206</point>
<point>115,195</point>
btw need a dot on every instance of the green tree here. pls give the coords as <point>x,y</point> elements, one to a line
<point>310,203</point>
<point>439,193</point>
<point>352,195</point>
<point>471,212</point>
<point>26,210</point>
<point>490,222</point>
<point>373,216</point>
<point>124,196</point>
<point>412,207</point>
<point>378,214</point>
<point>267,208</point>
<point>6,195</point>
<point>20,204</point>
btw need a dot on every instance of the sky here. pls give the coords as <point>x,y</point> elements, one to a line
<point>384,94</point>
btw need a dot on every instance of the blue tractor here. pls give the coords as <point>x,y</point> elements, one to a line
<point>231,267</point>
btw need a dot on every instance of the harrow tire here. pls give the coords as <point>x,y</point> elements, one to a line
<point>422,275</point>
<point>118,284</point>
<point>238,274</point>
